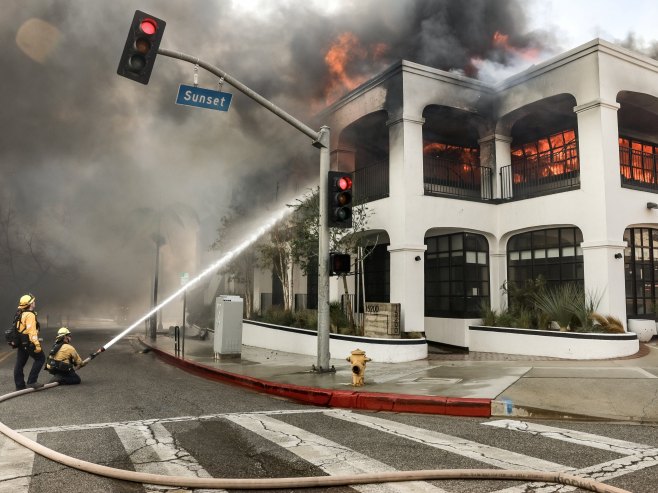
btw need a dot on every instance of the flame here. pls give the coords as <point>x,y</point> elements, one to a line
<point>342,55</point>
<point>501,40</point>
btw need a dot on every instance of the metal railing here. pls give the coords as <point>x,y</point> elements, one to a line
<point>638,169</point>
<point>457,179</point>
<point>370,182</point>
<point>532,178</point>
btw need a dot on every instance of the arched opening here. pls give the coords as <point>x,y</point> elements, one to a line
<point>544,149</point>
<point>554,254</point>
<point>363,149</point>
<point>641,271</point>
<point>451,155</point>
<point>456,275</point>
<point>638,140</point>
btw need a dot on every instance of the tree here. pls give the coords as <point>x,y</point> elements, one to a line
<point>29,259</point>
<point>305,226</point>
<point>277,255</point>
<point>241,267</point>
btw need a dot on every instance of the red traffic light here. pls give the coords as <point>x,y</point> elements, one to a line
<point>344,183</point>
<point>340,199</point>
<point>141,47</point>
<point>148,26</point>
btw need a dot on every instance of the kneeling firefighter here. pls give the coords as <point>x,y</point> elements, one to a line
<point>63,359</point>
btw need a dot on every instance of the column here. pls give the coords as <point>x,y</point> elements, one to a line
<point>343,158</point>
<point>604,276</point>
<point>497,276</point>
<point>598,146</point>
<point>495,153</point>
<point>407,283</point>
<point>407,276</point>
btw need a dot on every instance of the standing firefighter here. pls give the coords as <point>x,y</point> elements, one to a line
<point>63,359</point>
<point>30,344</point>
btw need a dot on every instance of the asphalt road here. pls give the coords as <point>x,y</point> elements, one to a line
<point>134,412</point>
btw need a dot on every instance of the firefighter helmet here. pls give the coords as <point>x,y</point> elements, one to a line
<point>26,300</point>
<point>63,332</point>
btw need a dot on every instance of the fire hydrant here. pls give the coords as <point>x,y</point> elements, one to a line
<point>358,361</point>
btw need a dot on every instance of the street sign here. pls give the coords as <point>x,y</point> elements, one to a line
<point>203,98</point>
<point>184,278</point>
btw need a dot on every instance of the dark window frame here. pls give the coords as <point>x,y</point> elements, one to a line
<point>455,265</point>
<point>553,253</point>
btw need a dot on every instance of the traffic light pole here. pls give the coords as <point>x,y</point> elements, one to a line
<point>321,140</point>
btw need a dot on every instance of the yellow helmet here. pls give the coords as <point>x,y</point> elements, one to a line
<point>63,332</point>
<point>26,300</point>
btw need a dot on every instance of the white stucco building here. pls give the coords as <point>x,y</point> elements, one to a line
<point>471,184</point>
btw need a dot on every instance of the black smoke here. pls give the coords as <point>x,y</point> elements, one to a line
<point>90,160</point>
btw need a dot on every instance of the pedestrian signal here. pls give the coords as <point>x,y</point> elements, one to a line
<point>339,263</point>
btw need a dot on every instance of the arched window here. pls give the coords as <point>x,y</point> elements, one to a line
<point>554,254</point>
<point>456,275</point>
<point>641,271</point>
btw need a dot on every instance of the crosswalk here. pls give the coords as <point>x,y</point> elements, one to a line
<point>152,448</point>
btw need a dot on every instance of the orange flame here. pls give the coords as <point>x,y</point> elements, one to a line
<point>346,50</point>
<point>501,40</point>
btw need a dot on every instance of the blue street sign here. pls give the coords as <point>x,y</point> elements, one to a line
<point>203,98</point>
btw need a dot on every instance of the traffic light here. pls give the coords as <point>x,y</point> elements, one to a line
<point>141,47</point>
<point>339,263</point>
<point>340,200</point>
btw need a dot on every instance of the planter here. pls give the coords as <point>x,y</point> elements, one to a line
<point>569,345</point>
<point>645,329</point>
<point>303,341</point>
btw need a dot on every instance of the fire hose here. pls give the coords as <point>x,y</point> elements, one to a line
<point>299,482</point>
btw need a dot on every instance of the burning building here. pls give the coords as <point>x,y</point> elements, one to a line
<point>548,172</point>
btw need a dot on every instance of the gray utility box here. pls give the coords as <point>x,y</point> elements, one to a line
<point>228,326</point>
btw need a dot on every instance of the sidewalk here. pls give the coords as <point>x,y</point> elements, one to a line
<point>473,384</point>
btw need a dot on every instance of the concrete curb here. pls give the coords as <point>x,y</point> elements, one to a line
<point>367,401</point>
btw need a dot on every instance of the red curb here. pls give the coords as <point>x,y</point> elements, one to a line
<point>368,401</point>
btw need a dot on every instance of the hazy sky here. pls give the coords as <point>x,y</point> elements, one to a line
<point>88,158</point>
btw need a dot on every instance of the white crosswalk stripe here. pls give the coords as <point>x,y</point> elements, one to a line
<point>15,465</point>
<point>331,457</point>
<point>637,456</point>
<point>152,448</point>
<point>496,457</point>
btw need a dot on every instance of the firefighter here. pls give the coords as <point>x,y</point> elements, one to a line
<point>63,359</point>
<point>30,344</point>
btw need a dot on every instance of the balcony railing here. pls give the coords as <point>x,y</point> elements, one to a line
<point>370,182</point>
<point>452,178</point>
<point>638,169</point>
<point>532,178</point>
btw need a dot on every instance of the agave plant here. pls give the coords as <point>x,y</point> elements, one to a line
<point>558,303</point>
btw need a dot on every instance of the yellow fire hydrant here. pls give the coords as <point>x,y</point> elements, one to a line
<point>358,361</point>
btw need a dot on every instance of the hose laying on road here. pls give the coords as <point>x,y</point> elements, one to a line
<point>304,482</point>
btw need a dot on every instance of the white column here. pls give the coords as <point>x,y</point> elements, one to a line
<point>408,285</point>
<point>497,276</point>
<point>598,147</point>
<point>495,153</point>
<point>405,134</point>
<point>343,158</point>
<point>407,277</point>
<point>604,276</point>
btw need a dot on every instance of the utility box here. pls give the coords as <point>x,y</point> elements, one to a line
<point>228,327</point>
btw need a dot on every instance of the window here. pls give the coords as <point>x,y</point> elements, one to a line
<point>554,254</point>
<point>551,156</point>
<point>637,161</point>
<point>456,275</point>
<point>641,271</point>
<point>376,275</point>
